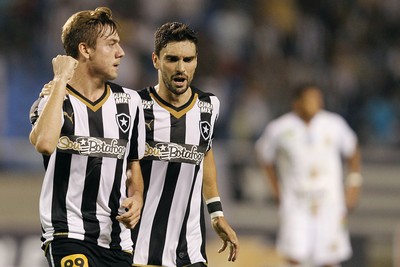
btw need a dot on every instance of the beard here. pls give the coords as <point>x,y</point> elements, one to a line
<point>169,84</point>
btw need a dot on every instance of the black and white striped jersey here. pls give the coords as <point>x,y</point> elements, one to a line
<point>85,179</point>
<point>171,231</point>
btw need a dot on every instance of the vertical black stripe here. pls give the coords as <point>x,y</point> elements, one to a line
<point>178,130</point>
<point>122,108</point>
<point>159,229</point>
<point>92,181</point>
<point>133,150</point>
<point>204,116</point>
<point>61,177</point>
<point>148,115</point>
<point>113,203</point>
<point>60,187</point>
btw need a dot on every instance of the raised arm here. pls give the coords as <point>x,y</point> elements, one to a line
<point>46,131</point>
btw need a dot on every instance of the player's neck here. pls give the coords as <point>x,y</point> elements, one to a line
<point>91,88</point>
<point>176,100</point>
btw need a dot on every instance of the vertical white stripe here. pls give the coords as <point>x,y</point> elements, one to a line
<point>193,235</point>
<point>162,127</point>
<point>46,200</point>
<point>74,197</point>
<point>51,255</point>
<point>193,125</point>
<point>137,103</point>
<point>216,106</point>
<point>77,174</point>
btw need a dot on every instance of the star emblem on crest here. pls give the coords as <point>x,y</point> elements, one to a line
<point>123,121</point>
<point>206,129</point>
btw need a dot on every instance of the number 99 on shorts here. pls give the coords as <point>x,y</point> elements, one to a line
<point>75,260</point>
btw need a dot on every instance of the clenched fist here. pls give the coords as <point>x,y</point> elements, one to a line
<point>64,66</point>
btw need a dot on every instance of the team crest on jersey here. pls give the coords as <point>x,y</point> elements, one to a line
<point>121,98</point>
<point>123,121</point>
<point>205,129</point>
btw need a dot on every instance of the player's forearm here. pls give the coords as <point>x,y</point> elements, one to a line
<point>353,179</point>
<point>210,187</point>
<point>272,180</point>
<point>135,184</point>
<point>46,132</point>
<point>354,161</point>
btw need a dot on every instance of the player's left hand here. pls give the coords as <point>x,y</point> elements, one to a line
<point>228,236</point>
<point>133,206</point>
<point>46,90</point>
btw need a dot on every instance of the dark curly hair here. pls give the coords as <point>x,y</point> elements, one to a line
<point>173,32</point>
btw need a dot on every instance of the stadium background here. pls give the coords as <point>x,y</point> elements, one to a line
<point>251,53</point>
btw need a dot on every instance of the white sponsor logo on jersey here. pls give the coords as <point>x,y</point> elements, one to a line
<point>205,107</point>
<point>121,98</point>
<point>92,146</point>
<point>147,104</point>
<point>174,152</point>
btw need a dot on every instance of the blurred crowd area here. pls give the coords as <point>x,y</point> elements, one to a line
<point>251,55</point>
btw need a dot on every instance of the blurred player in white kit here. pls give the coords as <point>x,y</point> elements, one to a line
<point>302,153</point>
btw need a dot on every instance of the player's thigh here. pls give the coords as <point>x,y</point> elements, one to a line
<point>295,237</point>
<point>332,243</point>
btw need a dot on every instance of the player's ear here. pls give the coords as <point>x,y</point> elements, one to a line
<point>156,60</point>
<point>84,50</point>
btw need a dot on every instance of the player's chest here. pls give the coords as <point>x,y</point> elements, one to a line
<point>108,120</point>
<point>308,139</point>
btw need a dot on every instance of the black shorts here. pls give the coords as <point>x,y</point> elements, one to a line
<point>76,253</point>
<point>199,264</point>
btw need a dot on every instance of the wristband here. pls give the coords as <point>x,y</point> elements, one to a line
<point>214,207</point>
<point>354,179</point>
